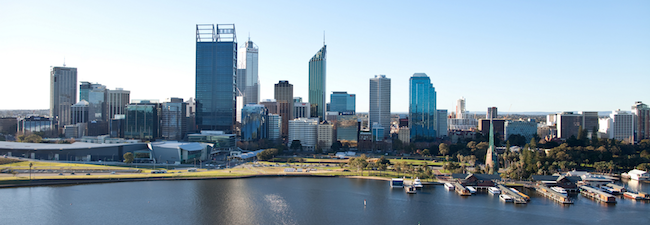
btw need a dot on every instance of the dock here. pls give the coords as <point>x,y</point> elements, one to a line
<point>518,198</point>
<point>597,194</point>
<point>461,190</point>
<point>554,195</point>
<point>620,189</point>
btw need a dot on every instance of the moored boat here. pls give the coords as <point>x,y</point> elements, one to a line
<point>410,190</point>
<point>417,183</point>
<point>505,198</point>
<point>449,186</point>
<point>471,189</point>
<point>397,183</point>
<point>631,195</point>
<point>494,190</point>
<point>559,190</point>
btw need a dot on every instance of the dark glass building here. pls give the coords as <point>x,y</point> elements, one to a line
<point>317,78</point>
<point>216,74</point>
<point>142,120</point>
<point>341,101</point>
<point>254,122</point>
<point>422,107</point>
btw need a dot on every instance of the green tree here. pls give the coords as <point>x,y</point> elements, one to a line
<point>32,138</point>
<point>128,157</point>
<point>444,149</point>
<point>426,152</point>
<point>296,145</point>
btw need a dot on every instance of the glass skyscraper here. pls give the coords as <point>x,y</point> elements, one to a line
<point>342,102</point>
<point>422,107</point>
<point>380,104</point>
<point>317,78</point>
<point>216,72</point>
<point>63,94</point>
<point>142,120</point>
<point>254,122</point>
<point>247,80</point>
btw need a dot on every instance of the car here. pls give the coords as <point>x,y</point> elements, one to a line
<point>60,173</point>
<point>87,173</point>
<point>71,173</point>
<point>113,172</point>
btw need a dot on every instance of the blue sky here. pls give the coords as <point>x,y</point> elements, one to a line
<point>515,55</point>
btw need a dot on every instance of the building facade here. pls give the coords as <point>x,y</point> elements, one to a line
<point>380,102</point>
<point>527,129</point>
<point>304,130</point>
<point>63,94</point>
<point>642,128</point>
<point>247,79</point>
<point>422,107</point>
<point>324,139</point>
<point>317,78</point>
<point>254,125</point>
<point>492,113</point>
<point>441,123</point>
<point>341,101</point>
<point>460,108</point>
<point>301,110</point>
<point>284,98</point>
<point>347,128</point>
<point>275,126</point>
<point>216,69</point>
<point>116,101</point>
<point>174,120</point>
<point>621,126</point>
<point>142,120</point>
<point>80,112</point>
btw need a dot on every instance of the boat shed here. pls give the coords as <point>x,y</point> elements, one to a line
<point>78,151</point>
<point>474,179</point>
<point>566,182</point>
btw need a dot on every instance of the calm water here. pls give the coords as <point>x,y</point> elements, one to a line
<point>293,201</point>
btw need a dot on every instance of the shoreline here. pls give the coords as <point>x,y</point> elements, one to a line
<point>48,182</point>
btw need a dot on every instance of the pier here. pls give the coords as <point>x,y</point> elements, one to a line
<point>597,194</point>
<point>550,193</point>
<point>518,198</point>
<point>461,190</point>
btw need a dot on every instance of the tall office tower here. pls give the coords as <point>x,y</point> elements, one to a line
<point>341,101</point>
<point>275,126</point>
<point>174,120</point>
<point>642,128</point>
<point>441,122</point>
<point>247,79</point>
<point>380,102</point>
<point>324,135</point>
<point>284,97</point>
<point>317,78</point>
<point>216,72</point>
<point>621,126</point>
<point>304,130</point>
<point>84,89</point>
<point>422,107</point>
<point>568,124</point>
<point>254,124</point>
<point>142,120</point>
<point>271,105</point>
<point>491,113</point>
<point>301,110</point>
<point>63,94</point>
<point>460,108</point>
<point>116,101</point>
<point>95,95</point>
<point>589,121</point>
<point>190,115</point>
<point>80,112</point>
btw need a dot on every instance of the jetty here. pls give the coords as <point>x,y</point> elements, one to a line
<point>618,188</point>
<point>461,190</point>
<point>518,198</point>
<point>554,195</point>
<point>597,194</point>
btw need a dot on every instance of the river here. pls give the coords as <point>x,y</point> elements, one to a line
<point>293,200</point>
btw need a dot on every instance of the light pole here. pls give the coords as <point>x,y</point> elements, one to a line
<point>30,171</point>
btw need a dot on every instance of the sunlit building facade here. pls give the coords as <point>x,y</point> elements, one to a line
<point>422,107</point>
<point>254,122</point>
<point>317,78</point>
<point>380,103</point>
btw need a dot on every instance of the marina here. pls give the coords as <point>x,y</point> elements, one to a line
<point>461,190</point>
<point>397,183</point>
<point>517,198</point>
<point>551,193</point>
<point>494,190</point>
<point>596,194</point>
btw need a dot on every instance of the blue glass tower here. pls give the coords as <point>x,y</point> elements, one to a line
<point>254,119</point>
<point>422,107</point>
<point>317,75</point>
<point>216,69</point>
<point>342,102</point>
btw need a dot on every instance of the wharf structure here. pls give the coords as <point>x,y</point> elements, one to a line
<point>518,198</point>
<point>461,190</point>
<point>596,194</point>
<point>554,195</point>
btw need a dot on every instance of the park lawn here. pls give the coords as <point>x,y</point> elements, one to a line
<point>417,162</point>
<point>55,165</point>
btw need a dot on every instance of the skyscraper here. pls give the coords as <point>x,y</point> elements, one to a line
<point>284,98</point>
<point>247,80</point>
<point>642,113</point>
<point>95,95</point>
<point>255,119</point>
<point>216,69</point>
<point>460,108</point>
<point>174,122</point>
<point>491,113</point>
<point>317,78</point>
<point>341,101</point>
<point>380,102</point>
<point>422,107</point>
<point>116,101</point>
<point>63,94</point>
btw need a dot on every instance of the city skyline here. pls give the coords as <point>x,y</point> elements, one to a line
<point>563,49</point>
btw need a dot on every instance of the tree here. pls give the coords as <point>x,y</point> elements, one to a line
<point>32,138</point>
<point>128,157</point>
<point>426,152</point>
<point>267,154</point>
<point>296,145</point>
<point>444,149</point>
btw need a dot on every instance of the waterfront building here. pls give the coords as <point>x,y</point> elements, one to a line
<point>247,78</point>
<point>301,110</point>
<point>460,109</point>
<point>116,101</point>
<point>271,105</point>
<point>527,129</point>
<point>422,107</point>
<point>79,112</point>
<point>142,120</point>
<point>254,122</point>
<point>284,98</point>
<point>441,123</point>
<point>78,151</point>
<point>275,126</point>
<point>341,101</point>
<point>63,94</point>
<point>324,133</point>
<point>404,135</point>
<point>317,78</point>
<point>221,141</point>
<point>304,130</point>
<point>172,152</point>
<point>35,124</point>
<point>642,128</point>
<point>216,68</point>
<point>491,113</point>
<point>380,102</point>
<point>174,120</point>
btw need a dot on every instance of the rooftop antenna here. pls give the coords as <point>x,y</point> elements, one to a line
<point>63,61</point>
<point>323,37</point>
<point>249,36</point>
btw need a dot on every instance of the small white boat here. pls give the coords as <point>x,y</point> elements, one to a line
<point>505,198</point>
<point>494,190</point>
<point>397,183</point>
<point>449,186</point>
<point>609,190</point>
<point>559,190</point>
<point>631,195</point>
<point>471,189</point>
<point>410,190</point>
<point>417,183</point>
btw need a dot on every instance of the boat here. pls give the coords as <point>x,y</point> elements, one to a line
<point>632,195</point>
<point>471,189</point>
<point>505,198</point>
<point>609,190</point>
<point>494,190</point>
<point>449,186</point>
<point>397,183</point>
<point>410,190</point>
<point>559,190</point>
<point>417,183</point>
<point>520,194</point>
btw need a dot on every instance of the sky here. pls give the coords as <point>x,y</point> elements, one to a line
<point>520,56</point>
